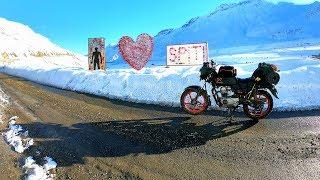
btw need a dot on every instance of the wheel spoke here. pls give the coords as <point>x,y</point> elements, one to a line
<point>194,102</point>
<point>200,104</point>
<point>258,108</point>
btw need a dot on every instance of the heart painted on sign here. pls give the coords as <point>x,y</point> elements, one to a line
<point>138,53</point>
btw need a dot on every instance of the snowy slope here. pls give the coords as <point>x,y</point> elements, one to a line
<point>247,23</point>
<point>19,42</point>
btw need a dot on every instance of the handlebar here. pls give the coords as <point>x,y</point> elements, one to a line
<point>213,63</point>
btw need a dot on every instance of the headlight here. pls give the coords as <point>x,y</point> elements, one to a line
<point>275,68</point>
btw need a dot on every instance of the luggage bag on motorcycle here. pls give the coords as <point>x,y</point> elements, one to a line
<point>267,74</point>
<point>205,71</point>
<point>227,71</point>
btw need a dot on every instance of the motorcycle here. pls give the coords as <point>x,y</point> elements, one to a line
<point>231,92</point>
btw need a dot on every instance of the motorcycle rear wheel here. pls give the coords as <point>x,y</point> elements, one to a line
<point>194,101</point>
<point>261,107</point>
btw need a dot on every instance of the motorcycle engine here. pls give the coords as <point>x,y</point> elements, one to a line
<point>227,97</point>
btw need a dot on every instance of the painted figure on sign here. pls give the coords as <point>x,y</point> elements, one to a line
<point>96,57</point>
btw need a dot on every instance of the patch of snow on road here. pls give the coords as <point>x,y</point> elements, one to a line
<point>13,118</point>
<point>17,137</point>
<point>33,171</point>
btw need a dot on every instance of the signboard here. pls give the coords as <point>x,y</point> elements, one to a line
<point>96,54</point>
<point>187,54</point>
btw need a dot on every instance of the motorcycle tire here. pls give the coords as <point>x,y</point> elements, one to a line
<point>196,106</point>
<point>259,114</point>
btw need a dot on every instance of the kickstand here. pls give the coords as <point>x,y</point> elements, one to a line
<point>230,115</point>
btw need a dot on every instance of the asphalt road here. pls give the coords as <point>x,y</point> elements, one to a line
<point>97,138</point>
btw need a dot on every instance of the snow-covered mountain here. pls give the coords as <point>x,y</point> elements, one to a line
<point>18,40</point>
<point>251,22</point>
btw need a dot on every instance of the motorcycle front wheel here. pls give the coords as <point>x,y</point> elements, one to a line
<point>259,106</point>
<point>194,101</point>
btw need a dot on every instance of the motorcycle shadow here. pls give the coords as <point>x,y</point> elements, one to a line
<point>163,135</point>
<point>125,137</point>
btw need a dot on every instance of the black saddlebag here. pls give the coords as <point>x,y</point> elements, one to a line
<point>227,71</point>
<point>267,74</point>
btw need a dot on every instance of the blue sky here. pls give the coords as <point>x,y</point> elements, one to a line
<point>69,23</point>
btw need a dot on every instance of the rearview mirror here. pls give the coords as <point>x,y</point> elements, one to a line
<point>213,63</point>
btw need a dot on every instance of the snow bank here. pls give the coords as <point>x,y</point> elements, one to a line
<point>298,87</point>
<point>16,137</point>
<point>33,171</point>
<point>151,85</point>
